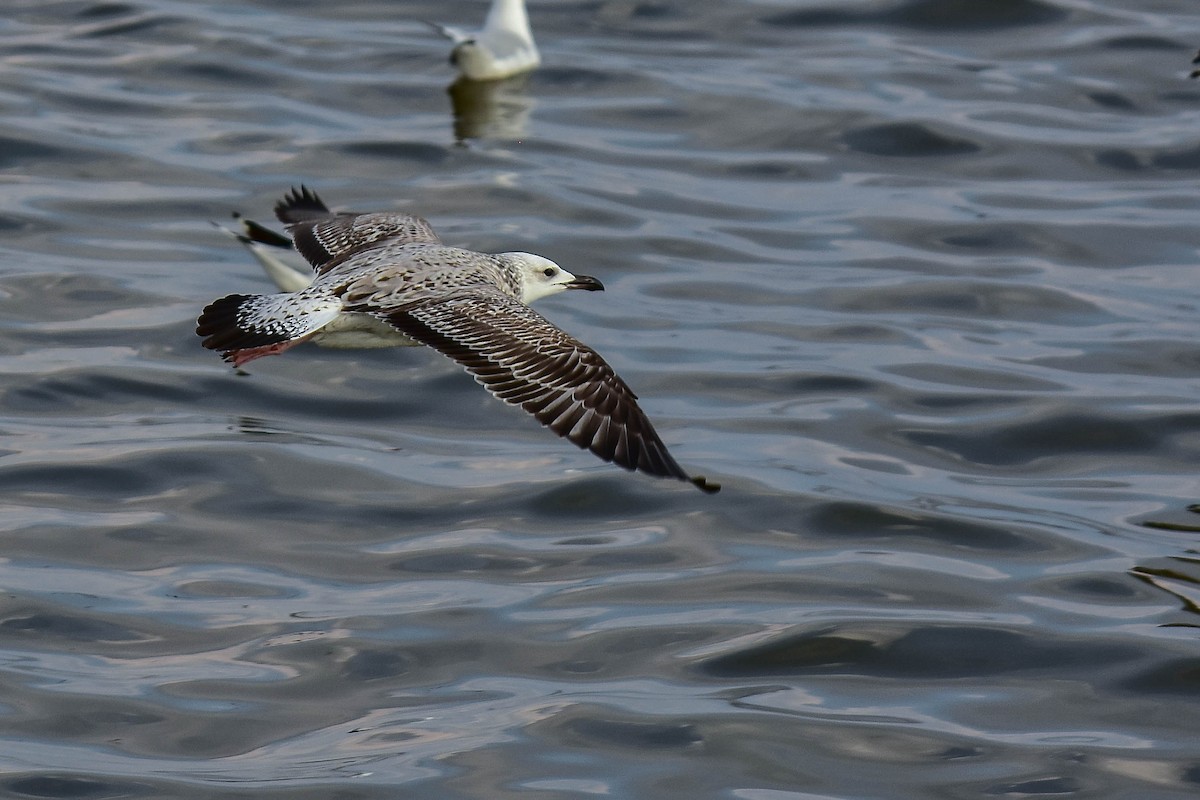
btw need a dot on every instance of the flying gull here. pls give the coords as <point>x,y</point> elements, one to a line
<point>502,49</point>
<point>386,279</point>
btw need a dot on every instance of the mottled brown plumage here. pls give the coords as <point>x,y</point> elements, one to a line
<point>389,277</point>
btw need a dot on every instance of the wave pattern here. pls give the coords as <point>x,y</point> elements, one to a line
<point>914,280</point>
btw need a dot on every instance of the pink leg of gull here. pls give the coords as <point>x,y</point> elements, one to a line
<point>248,354</point>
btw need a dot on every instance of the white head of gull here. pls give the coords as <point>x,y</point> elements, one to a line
<point>385,279</point>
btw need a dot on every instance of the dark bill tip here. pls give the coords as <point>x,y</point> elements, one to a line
<point>586,282</point>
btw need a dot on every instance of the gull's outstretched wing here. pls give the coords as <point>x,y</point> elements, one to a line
<point>524,360</point>
<point>327,239</point>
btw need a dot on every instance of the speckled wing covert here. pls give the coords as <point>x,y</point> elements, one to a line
<point>326,239</point>
<point>522,359</point>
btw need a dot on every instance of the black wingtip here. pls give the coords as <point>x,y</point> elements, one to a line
<point>708,487</point>
<point>300,205</point>
<point>257,232</point>
<point>239,236</point>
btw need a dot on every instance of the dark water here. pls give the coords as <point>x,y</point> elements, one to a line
<point>916,281</point>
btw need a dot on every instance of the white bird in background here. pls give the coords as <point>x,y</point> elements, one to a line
<point>502,49</point>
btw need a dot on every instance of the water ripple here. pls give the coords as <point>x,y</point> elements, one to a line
<point>913,280</point>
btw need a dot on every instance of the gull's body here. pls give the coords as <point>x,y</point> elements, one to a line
<point>386,279</point>
<point>503,48</point>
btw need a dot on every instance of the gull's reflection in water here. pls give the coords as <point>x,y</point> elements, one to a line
<point>490,109</point>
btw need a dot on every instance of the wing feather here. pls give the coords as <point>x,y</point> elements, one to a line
<point>326,239</point>
<point>524,360</point>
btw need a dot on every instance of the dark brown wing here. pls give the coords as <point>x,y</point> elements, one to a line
<point>518,356</point>
<point>327,239</point>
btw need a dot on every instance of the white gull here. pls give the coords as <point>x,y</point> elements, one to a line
<point>347,332</point>
<point>503,48</point>
<point>384,279</point>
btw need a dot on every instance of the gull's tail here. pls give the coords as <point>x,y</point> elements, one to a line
<point>245,327</point>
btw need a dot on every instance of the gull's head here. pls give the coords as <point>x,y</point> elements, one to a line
<point>540,277</point>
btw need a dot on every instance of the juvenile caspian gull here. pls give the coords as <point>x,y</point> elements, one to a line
<point>386,279</point>
<point>502,49</point>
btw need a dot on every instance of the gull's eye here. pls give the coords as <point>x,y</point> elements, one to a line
<point>548,272</point>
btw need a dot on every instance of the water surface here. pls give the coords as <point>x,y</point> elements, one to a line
<point>915,280</point>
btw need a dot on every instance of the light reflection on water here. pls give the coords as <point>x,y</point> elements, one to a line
<point>913,281</point>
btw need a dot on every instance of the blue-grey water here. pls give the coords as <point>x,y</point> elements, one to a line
<point>917,280</point>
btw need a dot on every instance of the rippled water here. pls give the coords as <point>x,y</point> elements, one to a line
<point>916,281</point>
